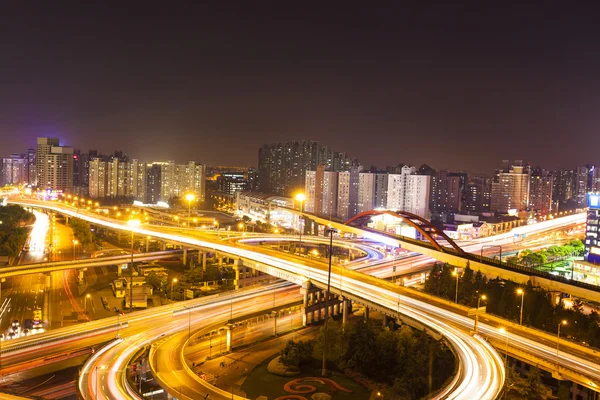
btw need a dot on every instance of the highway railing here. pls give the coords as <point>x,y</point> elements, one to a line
<point>79,335</point>
<point>530,271</point>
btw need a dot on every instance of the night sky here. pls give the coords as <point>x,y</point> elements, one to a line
<point>454,85</point>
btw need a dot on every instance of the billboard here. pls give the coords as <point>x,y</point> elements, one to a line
<point>594,200</point>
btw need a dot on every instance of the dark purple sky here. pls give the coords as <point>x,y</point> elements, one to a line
<point>452,85</point>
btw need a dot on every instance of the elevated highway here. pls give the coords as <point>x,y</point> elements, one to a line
<point>47,267</point>
<point>377,292</point>
<point>454,255</point>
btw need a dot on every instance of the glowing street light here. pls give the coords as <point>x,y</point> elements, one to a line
<point>190,197</point>
<point>300,197</point>
<point>457,275</point>
<point>330,232</point>
<point>173,282</point>
<point>563,322</point>
<point>87,296</point>
<point>482,297</point>
<point>522,293</point>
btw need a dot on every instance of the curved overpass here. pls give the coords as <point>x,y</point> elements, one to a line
<point>481,370</point>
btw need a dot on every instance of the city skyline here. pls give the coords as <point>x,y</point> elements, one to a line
<point>208,83</point>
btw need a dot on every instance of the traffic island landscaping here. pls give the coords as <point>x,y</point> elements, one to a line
<point>308,384</point>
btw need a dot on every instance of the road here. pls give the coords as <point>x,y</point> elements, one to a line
<point>108,369</point>
<point>473,367</point>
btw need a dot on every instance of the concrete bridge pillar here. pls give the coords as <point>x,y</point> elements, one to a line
<point>147,244</point>
<point>184,259</point>
<point>236,268</point>
<point>305,297</point>
<point>555,298</point>
<point>344,312</point>
<point>366,313</point>
<point>229,332</point>
<point>384,321</point>
<point>204,261</point>
<point>220,260</point>
<point>163,245</point>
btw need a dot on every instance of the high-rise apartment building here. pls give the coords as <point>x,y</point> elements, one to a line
<point>446,192</point>
<point>137,181</point>
<point>153,184</point>
<point>14,170</point>
<point>97,178</point>
<point>321,190</point>
<point>179,179</point>
<point>54,165</point>
<point>282,166</point>
<point>477,194</point>
<point>510,188</point>
<point>409,192</point>
<point>562,188</point>
<point>381,190</point>
<point>366,191</point>
<point>540,190</point>
<point>580,186</point>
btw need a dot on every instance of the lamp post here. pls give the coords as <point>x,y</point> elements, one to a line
<point>563,322</point>
<point>522,293</point>
<point>457,275</point>
<point>75,243</point>
<point>174,281</point>
<point>133,223</point>
<point>329,231</point>
<point>489,246</point>
<point>482,297</point>
<point>300,197</point>
<point>87,296</point>
<point>190,197</point>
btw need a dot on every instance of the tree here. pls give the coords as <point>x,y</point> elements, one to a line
<point>154,280</point>
<point>336,340</point>
<point>295,354</point>
<point>81,231</point>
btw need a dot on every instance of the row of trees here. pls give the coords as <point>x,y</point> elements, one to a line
<point>403,358</point>
<point>81,231</point>
<point>503,300</point>
<point>13,234</point>
<point>530,258</point>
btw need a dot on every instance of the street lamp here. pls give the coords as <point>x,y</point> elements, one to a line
<point>457,275</point>
<point>300,197</point>
<point>87,296</point>
<point>329,231</point>
<point>522,293</point>
<point>190,197</point>
<point>482,297</point>
<point>133,223</point>
<point>563,322</point>
<point>174,281</point>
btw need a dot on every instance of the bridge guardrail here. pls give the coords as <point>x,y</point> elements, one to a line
<point>61,338</point>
